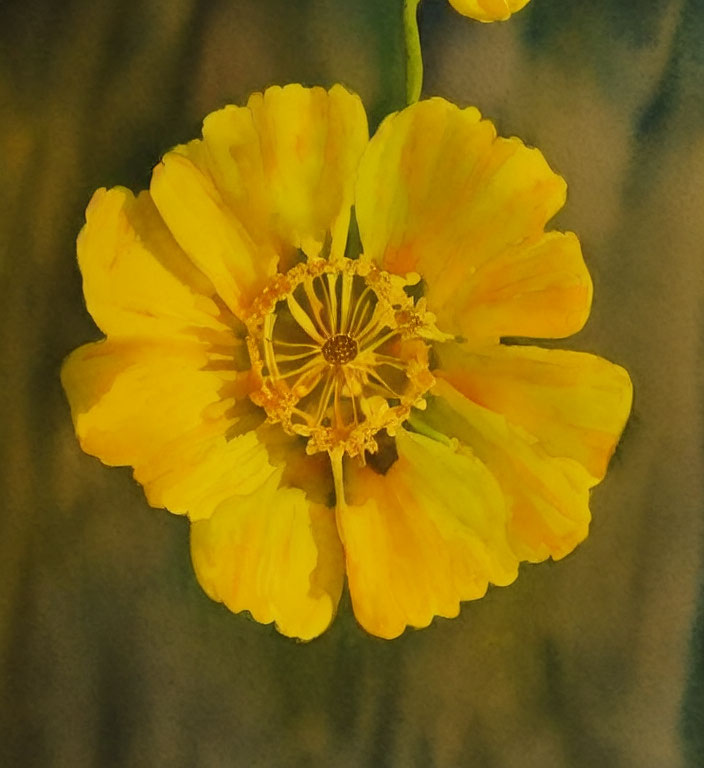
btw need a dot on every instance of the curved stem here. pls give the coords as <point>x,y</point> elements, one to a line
<point>414,58</point>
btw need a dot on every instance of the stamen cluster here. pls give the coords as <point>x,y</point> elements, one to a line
<point>338,353</point>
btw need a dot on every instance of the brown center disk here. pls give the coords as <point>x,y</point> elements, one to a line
<point>340,349</point>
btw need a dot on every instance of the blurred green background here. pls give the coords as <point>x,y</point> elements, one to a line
<point>110,653</point>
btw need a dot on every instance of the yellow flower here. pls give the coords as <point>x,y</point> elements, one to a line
<point>319,407</point>
<point>488,10</point>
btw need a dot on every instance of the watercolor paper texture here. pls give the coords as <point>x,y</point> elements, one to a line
<point>111,653</point>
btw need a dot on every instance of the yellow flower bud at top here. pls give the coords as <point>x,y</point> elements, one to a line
<point>488,10</point>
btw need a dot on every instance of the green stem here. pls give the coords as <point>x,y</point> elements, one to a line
<point>414,58</point>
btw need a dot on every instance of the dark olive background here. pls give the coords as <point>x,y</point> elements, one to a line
<point>110,652</point>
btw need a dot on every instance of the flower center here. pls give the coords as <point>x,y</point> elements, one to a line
<point>337,351</point>
<point>340,349</point>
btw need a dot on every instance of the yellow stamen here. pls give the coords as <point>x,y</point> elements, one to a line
<point>336,464</point>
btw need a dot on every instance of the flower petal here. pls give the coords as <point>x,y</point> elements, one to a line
<point>488,10</point>
<point>423,537</point>
<point>265,180</point>
<point>209,232</point>
<point>538,290</point>
<point>155,407</point>
<point>548,496</point>
<point>286,163</point>
<point>274,554</point>
<point>439,194</point>
<point>575,404</point>
<point>136,279</point>
<point>126,393</point>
